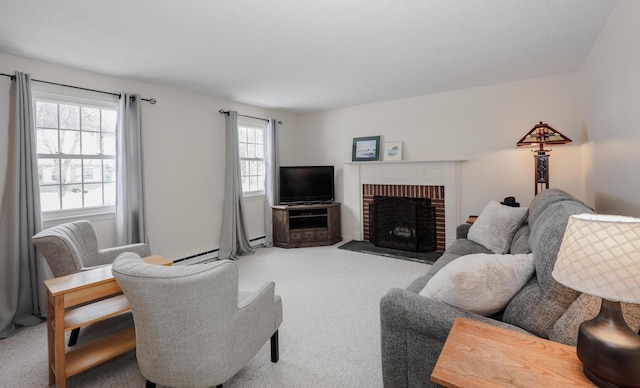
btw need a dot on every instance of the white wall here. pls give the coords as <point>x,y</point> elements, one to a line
<point>184,140</point>
<point>481,125</point>
<point>611,77</point>
<point>183,155</point>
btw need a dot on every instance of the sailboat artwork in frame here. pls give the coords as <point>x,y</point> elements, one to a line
<point>365,149</point>
<point>393,150</point>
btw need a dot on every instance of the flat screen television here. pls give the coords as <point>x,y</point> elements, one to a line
<point>306,184</point>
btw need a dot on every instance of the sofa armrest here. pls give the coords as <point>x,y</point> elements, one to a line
<point>408,310</point>
<point>413,330</point>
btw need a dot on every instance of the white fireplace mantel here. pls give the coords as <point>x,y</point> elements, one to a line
<point>427,173</point>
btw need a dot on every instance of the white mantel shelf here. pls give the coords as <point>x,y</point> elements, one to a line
<point>425,173</point>
<point>408,161</point>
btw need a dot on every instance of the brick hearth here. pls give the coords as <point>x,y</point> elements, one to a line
<point>435,193</point>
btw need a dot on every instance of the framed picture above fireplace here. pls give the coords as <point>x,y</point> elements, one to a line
<point>365,149</point>
<point>393,150</point>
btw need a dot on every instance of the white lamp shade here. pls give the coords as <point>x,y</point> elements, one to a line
<point>600,255</point>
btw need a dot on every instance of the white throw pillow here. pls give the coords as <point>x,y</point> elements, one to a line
<point>496,225</point>
<point>482,283</point>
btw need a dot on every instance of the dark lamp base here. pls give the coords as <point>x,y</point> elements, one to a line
<point>598,381</point>
<point>609,350</point>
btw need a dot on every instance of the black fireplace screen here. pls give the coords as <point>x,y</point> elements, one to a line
<point>408,224</point>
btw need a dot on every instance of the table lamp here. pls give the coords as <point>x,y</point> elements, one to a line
<point>600,255</point>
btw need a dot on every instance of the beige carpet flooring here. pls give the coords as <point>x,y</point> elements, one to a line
<point>330,335</point>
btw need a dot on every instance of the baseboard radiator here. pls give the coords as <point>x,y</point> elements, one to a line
<point>212,255</point>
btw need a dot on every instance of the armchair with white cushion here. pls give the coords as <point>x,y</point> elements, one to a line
<point>193,327</point>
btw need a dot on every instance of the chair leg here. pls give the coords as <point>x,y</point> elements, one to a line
<point>74,336</point>
<point>150,384</point>
<point>275,351</point>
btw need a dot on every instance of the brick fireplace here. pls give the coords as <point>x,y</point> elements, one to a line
<point>434,193</point>
<point>436,179</point>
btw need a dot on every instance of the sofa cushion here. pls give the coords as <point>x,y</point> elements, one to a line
<point>542,201</point>
<point>480,283</point>
<point>538,305</point>
<point>584,308</point>
<point>520,241</point>
<point>496,226</point>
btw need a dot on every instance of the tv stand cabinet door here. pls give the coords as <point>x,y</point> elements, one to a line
<point>334,224</point>
<point>280,220</point>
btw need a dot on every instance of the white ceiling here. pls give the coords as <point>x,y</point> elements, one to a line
<point>303,55</point>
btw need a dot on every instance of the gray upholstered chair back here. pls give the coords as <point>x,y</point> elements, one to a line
<point>68,247</point>
<point>73,247</point>
<point>192,327</point>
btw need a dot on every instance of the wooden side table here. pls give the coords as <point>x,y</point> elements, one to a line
<point>77,300</point>
<point>479,355</point>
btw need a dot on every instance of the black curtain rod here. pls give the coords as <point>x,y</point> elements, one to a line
<point>226,112</point>
<point>150,100</point>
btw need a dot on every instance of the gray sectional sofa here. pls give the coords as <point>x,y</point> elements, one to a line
<point>414,328</point>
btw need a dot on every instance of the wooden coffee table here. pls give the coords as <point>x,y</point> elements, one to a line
<point>479,355</point>
<point>77,300</point>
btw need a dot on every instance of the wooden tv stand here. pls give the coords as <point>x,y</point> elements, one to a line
<point>297,226</point>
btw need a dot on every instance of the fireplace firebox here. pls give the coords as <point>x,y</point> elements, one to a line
<point>407,224</point>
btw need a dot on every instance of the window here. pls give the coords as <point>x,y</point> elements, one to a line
<point>252,167</point>
<point>76,146</point>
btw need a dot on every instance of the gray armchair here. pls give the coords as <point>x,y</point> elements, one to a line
<point>73,247</point>
<point>193,327</point>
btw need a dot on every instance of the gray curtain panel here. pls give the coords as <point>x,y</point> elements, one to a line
<point>130,210</point>
<point>22,272</point>
<point>234,240</point>
<point>272,191</point>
